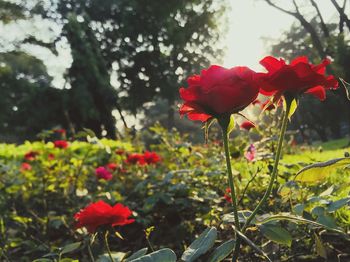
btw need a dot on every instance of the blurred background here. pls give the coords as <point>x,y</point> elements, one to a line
<point>117,65</point>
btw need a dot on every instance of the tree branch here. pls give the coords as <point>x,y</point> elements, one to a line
<point>323,24</point>
<point>341,12</point>
<point>308,27</point>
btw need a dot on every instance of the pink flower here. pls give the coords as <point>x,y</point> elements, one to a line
<point>250,153</point>
<point>102,173</point>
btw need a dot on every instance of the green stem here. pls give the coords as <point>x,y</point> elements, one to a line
<point>275,168</point>
<point>90,252</point>
<point>233,191</point>
<point>107,246</point>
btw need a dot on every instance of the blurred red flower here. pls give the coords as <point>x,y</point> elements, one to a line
<point>61,144</point>
<point>151,157</point>
<point>135,158</point>
<point>31,155</point>
<point>247,125</point>
<point>227,195</point>
<point>119,151</point>
<point>102,173</point>
<point>112,166</point>
<point>218,91</point>
<point>102,214</point>
<point>298,77</point>
<point>25,167</point>
<point>51,156</point>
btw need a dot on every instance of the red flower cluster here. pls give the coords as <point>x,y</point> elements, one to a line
<point>102,173</point>
<point>31,155</point>
<point>143,159</point>
<point>102,214</point>
<point>61,144</point>
<point>220,92</point>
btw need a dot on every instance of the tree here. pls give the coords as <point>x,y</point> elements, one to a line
<point>28,103</point>
<point>151,46</point>
<point>316,39</point>
<point>91,99</point>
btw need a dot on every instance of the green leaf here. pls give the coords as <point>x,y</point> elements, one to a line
<point>163,255</point>
<point>42,260</point>
<point>276,234</point>
<point>70,248</point>
<point>333,206</point>
<point>293,108</point>
<point>231,125</point>
<point>137,254</point>
<point>68,260</point>
<point>327,221</point>
<point>319,171</point>
<point>299,208</point>
<point>201,245</point>
<point>117,257</point>
<point>320,249</point>
<point>222,251</point>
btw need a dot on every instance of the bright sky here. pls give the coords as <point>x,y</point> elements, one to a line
<point>254,20</point>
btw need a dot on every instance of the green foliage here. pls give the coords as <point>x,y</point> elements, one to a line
<point>38,204</point>
<point>201,245</point>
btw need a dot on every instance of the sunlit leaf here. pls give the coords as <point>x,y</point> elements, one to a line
<point>319,171</point>
<point>320,249</point>
<point>70,248</point>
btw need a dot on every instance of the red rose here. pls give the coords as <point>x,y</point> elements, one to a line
<point>135,159</point>
<point>61,144</point>
<point>112,166</point>
<point>151,157</point>
<point>25,167</point>
<point>247,125</point>
<point>102,214</point>
<point>218,91</point>
<point>31,155</point>
<point>296,78</point>
<point>102,173</point>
